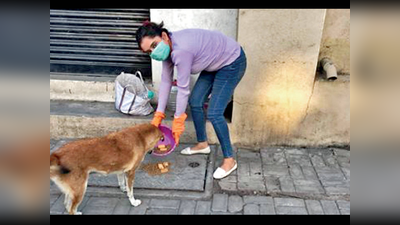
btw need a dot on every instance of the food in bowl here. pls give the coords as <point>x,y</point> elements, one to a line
<point>162,149</point>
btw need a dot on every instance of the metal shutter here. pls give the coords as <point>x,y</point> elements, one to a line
<point>97,41</point>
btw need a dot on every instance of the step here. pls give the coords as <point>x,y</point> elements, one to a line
<point>81,119</point>
<point>81,87</point>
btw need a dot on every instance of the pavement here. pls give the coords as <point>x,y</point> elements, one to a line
<point>271,180</point>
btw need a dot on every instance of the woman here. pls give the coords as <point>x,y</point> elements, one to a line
<point>222,64</point>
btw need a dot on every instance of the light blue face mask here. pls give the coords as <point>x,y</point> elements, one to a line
<point>161,52</point>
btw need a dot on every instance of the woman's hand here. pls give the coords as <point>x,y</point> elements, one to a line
<point>178,126</point>
<point>158,117</point>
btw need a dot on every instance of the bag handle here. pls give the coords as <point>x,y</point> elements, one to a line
<point>141,79</point>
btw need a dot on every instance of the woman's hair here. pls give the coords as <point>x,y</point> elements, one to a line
<point>149,29</point>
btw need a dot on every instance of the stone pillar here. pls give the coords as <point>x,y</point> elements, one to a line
<point>282,47</point>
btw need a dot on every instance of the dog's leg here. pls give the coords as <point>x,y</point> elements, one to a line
<point>78,191</point>
<point>121,181</point>
<point>129,186</point>
<point>67,201</point>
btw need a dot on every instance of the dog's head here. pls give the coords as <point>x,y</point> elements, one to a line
<point>152,135</point>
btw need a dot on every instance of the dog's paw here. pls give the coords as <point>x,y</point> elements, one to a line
<point>135,202</point>
<point>78,213</point>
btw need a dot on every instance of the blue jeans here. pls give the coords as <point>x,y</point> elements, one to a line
<point>221,84</point>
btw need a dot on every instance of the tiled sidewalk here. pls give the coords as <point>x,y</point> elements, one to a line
<point>291,171</point>
<point>273,180</point>
<point>219,204</point>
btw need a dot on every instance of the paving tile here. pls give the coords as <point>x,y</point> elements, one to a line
<point>251,199</point>
<point>248,155</point>
<point>100,206</point>
<point>309,172</point>
<point>257,186</point>
<point>267,209</point>
<point>344,207</point>
<point>290,206</point>
<point>272,170</point>
<point>302,160</point>
<point>187,207</point>
<point>98,210</point>
<point>251,209</point>
<point>228,186</point>
<point>287,184</point>
<point>274,158</point>
<point>330,207</point>
<point>346,172</point>
<point>330,159</point>
<point>58,206</point>
<point>123,207</point>
<point>308,186</point>
<point>272,184</point>
<point>235,203</point>
<point>203,208</point>
<point>296,171</point>
<point>314,207</point>
<point>243,169</point>
<point>282,210</point>
<point>310,189</point>
<point>290,202</point>
<point>53,199</point>
<point>164,203</point>
<point>220,203</point>
<point>317,160</point>
<point>337,190</point>
<point>102,201</point>
<point>161,211</point>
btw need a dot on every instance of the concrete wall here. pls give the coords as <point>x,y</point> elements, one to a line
<point>335,42</point>
<point>276,102</point>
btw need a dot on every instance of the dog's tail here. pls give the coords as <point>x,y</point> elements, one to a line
<point>55,166</point>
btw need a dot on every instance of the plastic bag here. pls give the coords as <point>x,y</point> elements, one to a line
<point>131,95</point>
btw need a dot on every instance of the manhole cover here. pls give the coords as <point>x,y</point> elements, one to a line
<point>194,164</point>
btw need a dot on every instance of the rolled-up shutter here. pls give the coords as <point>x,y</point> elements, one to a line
<point>97,41</point>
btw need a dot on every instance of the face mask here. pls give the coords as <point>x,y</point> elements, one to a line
<point>161,52</point>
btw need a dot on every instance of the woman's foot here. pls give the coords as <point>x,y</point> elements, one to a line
<point>200,148</point>
<point>228,166</point>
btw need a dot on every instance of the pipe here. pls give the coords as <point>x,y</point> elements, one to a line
<point>329,68</point>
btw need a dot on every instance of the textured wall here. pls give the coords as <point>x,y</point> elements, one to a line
<point>335,42</point>
<point>282,48</point>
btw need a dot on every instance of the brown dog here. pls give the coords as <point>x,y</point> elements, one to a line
<point>119,152</point>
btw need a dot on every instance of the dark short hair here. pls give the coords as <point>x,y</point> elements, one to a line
<point>149,29</point>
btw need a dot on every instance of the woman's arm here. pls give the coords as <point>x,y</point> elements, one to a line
<point>165,85</point>
<point>183,62</point>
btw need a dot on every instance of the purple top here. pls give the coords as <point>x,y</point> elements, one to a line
<point>193,50</point>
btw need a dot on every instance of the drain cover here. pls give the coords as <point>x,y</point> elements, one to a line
<point>194,164</point>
